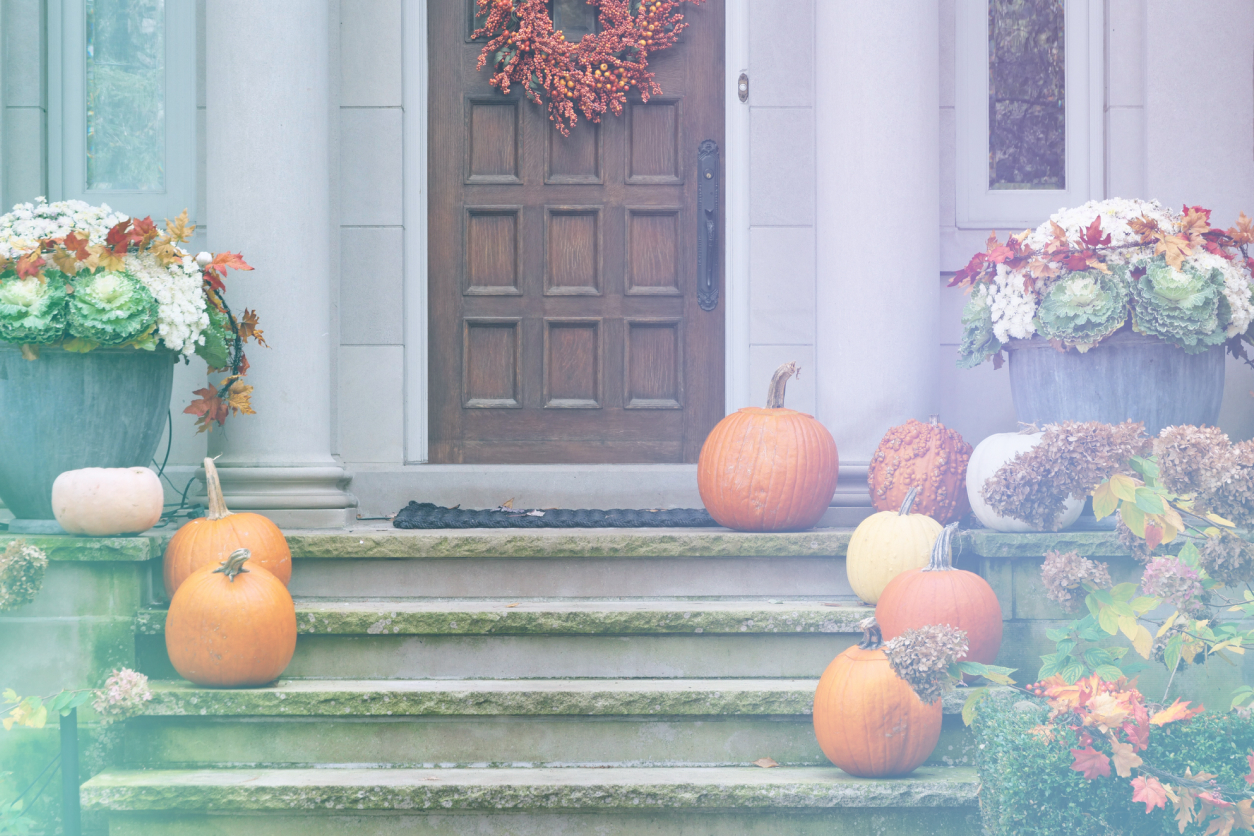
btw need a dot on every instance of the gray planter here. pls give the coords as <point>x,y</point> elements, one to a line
<point>105,408</point>
<point>1127,376</point>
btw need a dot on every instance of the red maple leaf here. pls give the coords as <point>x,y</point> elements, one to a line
<point>1079,261</point>
<point>77,245</point>
<point>209,408</point>
<point>1249,779</point>
<point>1153,535</point>
<point>215,271</point>
<point>1187,210</point>
<point>29,264</point>
<point>1091,763</point>
<point>1149,790</point>
<point>1092,237</point>
<point>974,267</point>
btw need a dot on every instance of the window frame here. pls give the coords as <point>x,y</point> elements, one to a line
<point>67,114</point>
<point>978,206</point>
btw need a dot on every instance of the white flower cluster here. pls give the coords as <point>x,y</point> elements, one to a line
<point>27,224</point>
<point>181,312</point>
<point>1012,307</point>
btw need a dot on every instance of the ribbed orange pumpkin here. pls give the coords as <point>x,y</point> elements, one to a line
<point>231,626</point>
<point>940,594</point>
<point>771,469</point>
<point>867,719</point>
<point>927,456</point>
<point>209,540</point>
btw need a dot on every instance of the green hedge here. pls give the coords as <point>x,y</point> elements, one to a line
<point>1027,787</point>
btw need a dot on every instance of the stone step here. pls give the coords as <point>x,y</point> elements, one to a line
<point>729,801</point>
<point>582,563</point>
<point>532,723</point>
<point>503,639</point>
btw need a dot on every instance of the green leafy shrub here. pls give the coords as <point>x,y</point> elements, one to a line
<point>33,311</point>
<point>1085,307</point>
<point>1184,307</point>
<point>1028,788</point>
<point>111,308</point>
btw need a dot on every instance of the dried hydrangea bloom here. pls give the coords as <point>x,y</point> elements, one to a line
<point>1193,459</point>
<point>1233,498</point>
<point>922,658</point>
<point>1072,458</point>
<point>1228,559</point>
<point>1175,582</point>
<point>1137,545</point>
<point>22,568</point>
<point>1062,573</point>
<point>123,695</point>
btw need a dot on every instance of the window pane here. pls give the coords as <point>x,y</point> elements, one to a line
<point>126,94</point>
<point>1026,113</point>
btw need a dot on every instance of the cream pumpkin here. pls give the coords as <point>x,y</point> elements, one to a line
<point>987,458</point>
<point>107,500</point>
<point>886,544</point>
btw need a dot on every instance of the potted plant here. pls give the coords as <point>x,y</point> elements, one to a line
<point>95,309</point>
<point>1116,310</point>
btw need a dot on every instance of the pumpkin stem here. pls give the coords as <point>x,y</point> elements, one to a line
<point>872,636</point>
<point>213,487</point>
<point>234,565</point>
<point>942,552</point>
<point>908,502</point>
<point>775,395</point>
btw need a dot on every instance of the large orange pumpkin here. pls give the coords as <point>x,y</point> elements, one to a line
<point>868,720</point>
<point>926,456</point>
<point>940,594</point>
<point>231,626</point>
<point>771,469</point>
<point>209,540</point>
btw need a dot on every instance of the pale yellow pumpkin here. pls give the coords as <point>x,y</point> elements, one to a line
<point>107,500</point>
<point>886,544</point>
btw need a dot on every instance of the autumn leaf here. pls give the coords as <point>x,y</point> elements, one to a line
<point>1249,778</point>
<point>1178,710</point>
<point>765,763</point>
<point>1090,762</point>
<point>1243,232</point>
<point>1145,227</point>
<point>1125,759</point>
<point>1153,535</point>
<point>76,245</point>
<point>1092,237</point>
<point>1150,790</point>
<point>239,398</point>
<point>1108,711</point>
<point>209,408</point>
<point>179,229</point>
<point>144,230</point>
<point>248,328</point>
<point>29,265</point>
<point>65,261</point>
<point>1174,249</point>
<point>228,260</point>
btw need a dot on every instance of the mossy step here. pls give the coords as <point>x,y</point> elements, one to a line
<point>747,789</point>
<point>410,617</point>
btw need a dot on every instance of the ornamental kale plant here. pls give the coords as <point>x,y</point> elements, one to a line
<point>111,308</point>
<point>32,312</point>
<point>1085,307</point>
<point>1091,271</point>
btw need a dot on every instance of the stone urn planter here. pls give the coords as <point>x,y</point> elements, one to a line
<point>64,411</point>
<point>1127,376</point>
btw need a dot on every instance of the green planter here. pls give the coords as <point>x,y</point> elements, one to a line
<point>105,408</point>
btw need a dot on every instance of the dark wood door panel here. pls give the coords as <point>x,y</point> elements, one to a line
<point>564,325</point>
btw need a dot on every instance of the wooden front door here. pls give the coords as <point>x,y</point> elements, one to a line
<point>564,318</point>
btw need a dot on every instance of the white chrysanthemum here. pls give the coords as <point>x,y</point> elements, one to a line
<point>27,224</point>
<point>1012,307</point>
<point>1236,286</point>
<point>181,313</point>
<point>1116,214</point>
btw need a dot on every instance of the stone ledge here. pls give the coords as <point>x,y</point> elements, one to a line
<point>415,790</point>
<point>512,697</point>
<point>995,544</point>
<point>67,548</point>
<point>571,618</point>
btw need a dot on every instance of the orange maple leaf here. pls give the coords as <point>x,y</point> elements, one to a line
<point>209,407</point>
<point>1150,790</point>
<point>1174,248</point>
<point>29,265</point>
<point>248,328</point>
<point>1145,227</point>
<point>179,229</point>
<point>1178,710</point>
<point>77,245</point>
<point>1243,232</point>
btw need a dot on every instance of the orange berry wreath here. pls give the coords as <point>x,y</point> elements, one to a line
<point>594,73</point>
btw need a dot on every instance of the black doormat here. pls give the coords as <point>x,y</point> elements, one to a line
<point>427,515</point>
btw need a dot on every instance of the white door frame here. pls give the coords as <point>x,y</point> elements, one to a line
<point>414,166</point>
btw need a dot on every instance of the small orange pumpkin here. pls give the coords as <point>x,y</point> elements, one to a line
<point>231,626</point>
<point>771,469</point>
<point>868,720</point>
<point>940,594</point>
<point>209,540</point>
<point>924,456</point>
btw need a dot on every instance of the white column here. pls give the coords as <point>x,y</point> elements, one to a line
<point>269,197</point>
<point>878,219</point>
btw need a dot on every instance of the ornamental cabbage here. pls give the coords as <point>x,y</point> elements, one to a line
<point>978,340</point>
<point>1183,307</point>
<point>111,308</point>
<point>33,311</point>
<point>1085,307</point>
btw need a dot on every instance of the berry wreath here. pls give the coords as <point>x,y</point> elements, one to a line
<point>594,73</point>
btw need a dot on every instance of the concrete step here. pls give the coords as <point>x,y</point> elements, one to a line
<point>737,801</point>
<point>581,563</point>
<point>503,639</point>
<point>478,723</point>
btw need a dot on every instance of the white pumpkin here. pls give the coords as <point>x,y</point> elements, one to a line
<point>986,459</point>
<point>107,500</point>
